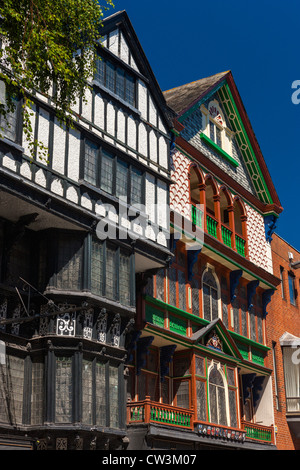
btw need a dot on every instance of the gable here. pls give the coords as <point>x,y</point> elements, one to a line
<point>120,39</point>
<point>241,158</point>
<point>216,337</point>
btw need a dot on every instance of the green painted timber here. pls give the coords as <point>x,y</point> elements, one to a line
<point>240,245</point>
<point>258,433</point>
<point>197,216</point>
<point>177,325</point>
<point>226,235</point>
<point>219,150</point>
<point>211,226</point>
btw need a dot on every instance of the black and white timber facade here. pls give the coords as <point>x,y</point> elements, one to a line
<point>68,289</point>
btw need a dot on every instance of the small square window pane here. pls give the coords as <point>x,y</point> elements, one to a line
<point>107,162</point>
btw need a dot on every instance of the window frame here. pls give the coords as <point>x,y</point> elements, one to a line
<point>218,290</point>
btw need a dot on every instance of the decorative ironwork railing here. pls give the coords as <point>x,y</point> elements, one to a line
<point>226,235</point>
<point>258,432</point>
<point>211,225</point>
<point>240,245</point>
<point>147,411</point>
<point>197,216</point>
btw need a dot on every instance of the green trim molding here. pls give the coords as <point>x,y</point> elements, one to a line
<point>219,150</point>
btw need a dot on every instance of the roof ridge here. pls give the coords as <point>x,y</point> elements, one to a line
<point>196,81</point>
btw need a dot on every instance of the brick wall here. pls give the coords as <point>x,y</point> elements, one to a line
<point>282,317</point>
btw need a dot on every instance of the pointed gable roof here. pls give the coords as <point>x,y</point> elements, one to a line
<point>229,347</point>
<point>187,98</point>
<point>120,20</point>
<point>183,97</point>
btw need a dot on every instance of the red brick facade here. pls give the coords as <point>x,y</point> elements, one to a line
<point>283,317</point>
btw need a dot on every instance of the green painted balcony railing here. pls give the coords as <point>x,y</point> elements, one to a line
<point>211,225</point>
<point>240,245</point>
<point>259,432</point>
<point>226,235</point>
<point>197,216</point>
<point>149,411</point>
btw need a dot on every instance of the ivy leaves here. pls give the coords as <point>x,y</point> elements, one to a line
<point>49,46</point>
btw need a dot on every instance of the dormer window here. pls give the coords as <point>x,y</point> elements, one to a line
<point>216,134</point>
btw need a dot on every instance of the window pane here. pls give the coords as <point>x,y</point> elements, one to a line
<point>292,288</point>
<point>160,285</point>
<point>165,391</point>
<point>113,396</point>
<point>136,186</point>
<point>122,180</point>
<point>200,366</point>
<point>206,302</point>
<point>225,309</point>
<point>37,395</point>
<point>244,319</point>
<point>96,268</point>
<point>182,394</point>
<point>181,366</point>
<point>110,76</point>
<point>87,394</point>
<point>214,304</point>
<point>232,408</point>
<point>124,279</point>
<point>212,131</point>
<point>69,264</point>
<point>100,394</point>
<point>90,162</point>
<point>252,324</point>
<point>195,296</point>
<point>120,83</point>
<point>110,273</point>
<point>222,419</point>
<point>172,287</point>
<point>130,90</point>
<point>100,70</point>
<point>63,389</point>
<point>107,162</point>
<point>182,290</point>
<point>218,136</point>
<point>201,400</point>
<point>8,124</point>
<point>12,389</point>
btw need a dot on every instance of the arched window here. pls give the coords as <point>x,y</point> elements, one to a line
<point>217,395</point>
<point>210,290</point>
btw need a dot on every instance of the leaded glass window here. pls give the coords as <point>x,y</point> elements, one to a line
<point>232,407</point>
<point>200,366</point>
<point>8,123</point>
<point>195,296</point>
<point>11,390</point>
<point>217,397</point>
<point>201,400</point>
<point>181,366</point>
<point>181,290</point>
<point>97,268</point>
<point>107,163</point>
<point>136,186</point>
<point>124,279</point>
<point>110,278</point>
<point>182,390</point>
<point>37,395</point>
<point>114,396</point>
<point>63,390</point>
<point>252,324</point>
<point>87,392</point>
<point>160,285</point>
<point>210,296</point>
<point>69,262</point>
<point>100,394</point>
<point>121,179</point>
<point>172,286</point>
<point>116,80</point>
<point>91,162</point>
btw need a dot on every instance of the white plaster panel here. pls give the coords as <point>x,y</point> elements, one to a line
<point>87,106</point>
<point>152,112</point>
<point>161,126</point>
<point>111,118</point>
<point>25,170</point>
<point>120,126</point>
<point>131,132</point>
<point>43,131</point>
<point>10,163</point>
<point>86,201</point>
<point>114,41</point>
<point>40,178</point>
<point>150,196</point>
<point>71,195</point>
<point>143,144</point>
<point>153,146</point>
<point>59,143</point>
<point>162,209</point>
<point>74,154</point>
<point>163,152</point>
<point>124,52</point>
<point>142,99</point>
<point>56,187</point>
<point>25,142</point>
<point>99,111</point>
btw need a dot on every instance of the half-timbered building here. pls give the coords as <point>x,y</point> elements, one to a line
<point>201,377</point>
<point>77,229</point>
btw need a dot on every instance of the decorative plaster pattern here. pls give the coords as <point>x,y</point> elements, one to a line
<point>179,191</point>
<point>258,247</point>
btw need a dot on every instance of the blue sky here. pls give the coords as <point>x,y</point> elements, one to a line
<point>259,42</point>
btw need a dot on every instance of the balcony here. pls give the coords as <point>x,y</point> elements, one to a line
<point>148,411</point>
<point>258,432</point>
<point>236,242</point>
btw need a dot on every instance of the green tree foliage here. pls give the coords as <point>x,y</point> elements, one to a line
<point>49,46</point>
